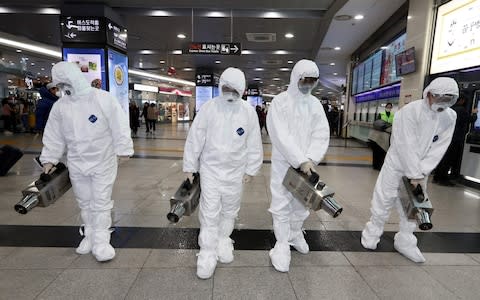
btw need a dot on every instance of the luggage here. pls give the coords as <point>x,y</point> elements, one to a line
<point>8,157</point>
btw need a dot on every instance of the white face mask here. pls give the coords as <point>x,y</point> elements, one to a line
<point>59,94</point>
<point>305,88</point>
<point>439,107</point>
<point>65,89</point>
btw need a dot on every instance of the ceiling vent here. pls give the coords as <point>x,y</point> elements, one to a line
<point>258,37</point>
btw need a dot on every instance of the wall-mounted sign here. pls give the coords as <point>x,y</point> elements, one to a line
<point>213,48</point>
<point>82,29</point>
<point>90,61</point>
<point>457,36</point>
<point>204,80</point>
<point>116,35</point>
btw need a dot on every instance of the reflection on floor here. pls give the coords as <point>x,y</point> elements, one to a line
<point>340,269</point>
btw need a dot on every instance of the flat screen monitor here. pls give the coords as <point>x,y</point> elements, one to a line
<point>405,62</point>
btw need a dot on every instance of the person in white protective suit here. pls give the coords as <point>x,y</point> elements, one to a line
<point>92,128</point>
<point>300,135</point>
<point>225,146</point>
<point>420,136</point>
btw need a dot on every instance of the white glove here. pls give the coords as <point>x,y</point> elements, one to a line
<point>47,167</point>
<point>307,167</point>
<point>246,178</point>
<point>123,159</point>
<point>189,176</point>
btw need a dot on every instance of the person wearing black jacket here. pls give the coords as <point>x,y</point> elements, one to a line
<point>453,157</point>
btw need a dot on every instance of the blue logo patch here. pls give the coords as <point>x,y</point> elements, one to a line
<point>435,138</point>
<point>240,131</point>
<point>92,118</point>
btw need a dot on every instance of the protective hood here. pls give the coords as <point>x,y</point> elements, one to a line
<point>303,68</point>
<point>442,86</point>
<point>69,74</point>
<point>233,78</point>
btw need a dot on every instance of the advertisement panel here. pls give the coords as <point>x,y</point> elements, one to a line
<point>90,61</point>
<point>456,43</point>
<point>203,94</point>
<point>118,77</point>
<point>389,73</point>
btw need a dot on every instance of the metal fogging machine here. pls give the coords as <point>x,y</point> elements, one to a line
<point>311,191</point>
<point>416,204</point>
<point>185,200</point>
<point>46,190</point>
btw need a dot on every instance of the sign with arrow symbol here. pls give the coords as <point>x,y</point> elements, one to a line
<point>213,48</point>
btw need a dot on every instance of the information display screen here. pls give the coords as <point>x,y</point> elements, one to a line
<point>118,77</point>
<point>90,61</point>
<point>389,73</point>
<point>203,94</point>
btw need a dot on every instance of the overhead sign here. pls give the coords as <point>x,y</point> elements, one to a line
<point>204,80</point>
<point>116,35</point>
<point>213,48</point>
<point>82,29</point>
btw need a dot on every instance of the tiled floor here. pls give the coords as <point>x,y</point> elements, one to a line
<point>142,193</point>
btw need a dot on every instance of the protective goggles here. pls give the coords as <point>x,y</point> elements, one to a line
<point>309,80</point>
<point>445,98</point>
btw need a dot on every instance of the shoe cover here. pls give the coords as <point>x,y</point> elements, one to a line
<point>102,250</point>
<point>371,235</point>
<point>299,243</point>
<point>225,250</point>
<point>85,245</point>
<point>206,263</point>
<point>280,257</point>
<point>406,244</point>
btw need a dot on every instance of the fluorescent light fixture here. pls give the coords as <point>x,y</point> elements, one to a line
<point>49,11</point>
<point>472,179</point>
<point>335,73</point>
<point>181,36</point>
<point>38,73</point>
<point>177,52</point>
<point>358,17</point>
<point>257,78</point>
<point>160,77</point>
<point>272,15</point>
<point>289,35</point>
<point>146,52</point>
<point>284,69</point>
<point>43,69</point>
<point>29,47</point>
<point>187,69</point>
<point>337,48</point>
<point>218,62</point>
<point>4,10</point>
<point>140,64</point>
<point>32,64</point>
<point>247,52</point>
<point>290,62</point>
<point>162,61</point>
<point>329,93</point>
<point>276,79</point>
<point>53,64</point>
<point>145,88</point>
<point>281,52</point>
<point>160,13</point>
<point>19,51</point>
<point>215,14</point>
<point>259,69</point>
<point>384,47</point>
<point>10,81</point>
<point>332,63</point>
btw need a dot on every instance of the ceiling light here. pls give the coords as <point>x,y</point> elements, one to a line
<point>272,85</point>
<point>218,62</point>
<point>289,35</point>
<point>32,64</point>
<point>281,52</point>
<point>19,51</point>
<point>38,73</point>
<point>181,36</point>
<point>257,78</point>
<point>4,10</point>
<point>332,63</point>
<point>335,74</point>
<point>358,17</point>
<point>29,47</point>
<point>272,15</point>
<point>140,64</point>
<point>384,47</point>
<point>43,69</point>
<point>10,81</point>
<point>177,52</point>
<point>146,52</point>
<point>187,69</point>
<point>259,69</point>
<point>46,76</point>
<point>409,17</point>
<point>49,11</point>
<point>53,64</point>
<point>290,62</point>
<point>162,61</point>
<point>215,14</point>
<point>284,69</point>
<point>160,77</point>
<point>329,93</point>
<point>337,48</point>
<point>159,13</point>
<point>276,79</point>
<point>247,52</point>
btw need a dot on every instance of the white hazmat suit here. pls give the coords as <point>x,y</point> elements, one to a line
<point>420,136</point>
<point>300,135</point>
<point>224,145</point>
<point>92,128</point>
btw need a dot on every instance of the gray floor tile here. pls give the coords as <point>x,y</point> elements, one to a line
<point>91,284</point>
<point>248,258</point>
<point>318,258</point>
<point>464,281</point>
<point>340,282</point>
<point>5,251</point>
<point>448,259</point>
<point>377,259</point>
<point>251,283</point>
<point>475,256</point>
<point>124,258</point>
<point>166,258</point>
<point>39,258</point>
<point>25,284</point>
<point>404,282</point>
<point>178,283</point>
